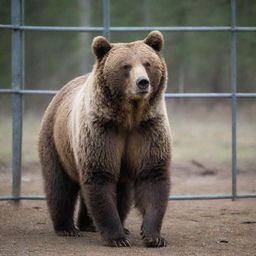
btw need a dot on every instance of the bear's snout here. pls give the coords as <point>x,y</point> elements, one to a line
<point>142,83</point>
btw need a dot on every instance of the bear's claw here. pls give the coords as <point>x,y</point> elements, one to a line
<point>122,242</point>
<point>126,231</point>
<point>155,243</point>
<point>153,240</point>
<point>73,232</point>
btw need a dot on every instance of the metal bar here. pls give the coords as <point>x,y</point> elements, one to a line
<point>209,95</point>
<point>167,95</point>
<point>53,28</point>
<point>194,197</point>
<point>106,19</point>
<point>128,29</point>
<point>198,95</point>
<point>234,98</point>
<point>183,29</point>
<point>7,198</point>
<point>245,95</point>
<point>11,91</point>
<point>210,197</point>
<point>17,103</point>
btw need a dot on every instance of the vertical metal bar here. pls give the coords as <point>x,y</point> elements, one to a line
<point>17,103</point>
<point>234,98</point>
<point>106,18</point>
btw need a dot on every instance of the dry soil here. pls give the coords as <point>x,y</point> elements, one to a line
<point>209,227</point>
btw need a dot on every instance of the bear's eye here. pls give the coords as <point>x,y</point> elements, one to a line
<point>127,67</point>
<point>147,64</point>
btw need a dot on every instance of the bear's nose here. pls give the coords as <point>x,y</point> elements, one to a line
<point>142,83</point>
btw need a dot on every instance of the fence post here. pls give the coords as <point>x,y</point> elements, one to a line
<point>106,18</point>
<point>17,101</point>
<point>234,96</point>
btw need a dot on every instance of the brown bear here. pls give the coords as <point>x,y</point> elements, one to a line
<point>106,136</point>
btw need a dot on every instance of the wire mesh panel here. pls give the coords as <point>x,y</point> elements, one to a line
<point>18,92</point>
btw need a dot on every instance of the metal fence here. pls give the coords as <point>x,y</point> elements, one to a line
<point>17,90</point>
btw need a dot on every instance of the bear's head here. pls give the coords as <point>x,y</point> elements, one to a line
<point>131,72</point>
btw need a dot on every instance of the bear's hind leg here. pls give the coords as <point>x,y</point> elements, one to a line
<point>84,222</point>
<point>61,193</point>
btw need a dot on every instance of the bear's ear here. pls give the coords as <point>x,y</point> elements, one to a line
<point>100,46</point>
<point>155,40</point>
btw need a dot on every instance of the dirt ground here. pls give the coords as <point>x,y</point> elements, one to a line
<point>209,227</point>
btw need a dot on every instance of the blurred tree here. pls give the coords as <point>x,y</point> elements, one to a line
<point>51,56</point>
<point>85,18</point>
<point>197,61</point>
<point>5,46</point>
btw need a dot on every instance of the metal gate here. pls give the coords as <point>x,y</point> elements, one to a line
<point>17,90</point>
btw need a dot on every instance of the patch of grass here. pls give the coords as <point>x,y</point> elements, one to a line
<point>200,133</point>
<point>5,138</point>
<point>204,134</point>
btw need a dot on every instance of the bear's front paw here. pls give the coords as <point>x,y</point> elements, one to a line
<point>121,242</point>
<point>153,240</point>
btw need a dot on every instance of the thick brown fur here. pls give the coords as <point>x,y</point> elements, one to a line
<point>104,137</point>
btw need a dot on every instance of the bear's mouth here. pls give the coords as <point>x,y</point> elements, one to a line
<point>142,91</point>
<point>139,94</point>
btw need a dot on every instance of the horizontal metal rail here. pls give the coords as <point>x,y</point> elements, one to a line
<point>167,95</point>
<point>7,198</point>
<point>212,197</point>
<point>194,197</point>
<point>209,95</point>
<point>10,91</point>
<point>129,29</point>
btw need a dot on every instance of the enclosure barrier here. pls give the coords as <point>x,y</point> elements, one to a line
<point>18,76</point>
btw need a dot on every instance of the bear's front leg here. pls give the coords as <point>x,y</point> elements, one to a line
<point>151,197</point>
<point>99,193</point>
